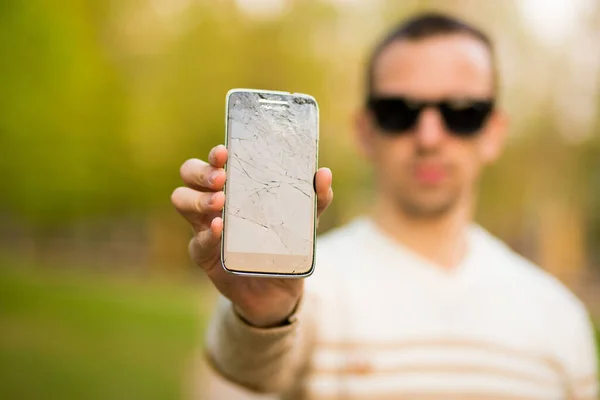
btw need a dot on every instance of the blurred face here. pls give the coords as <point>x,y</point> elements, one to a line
<point>432,164</point>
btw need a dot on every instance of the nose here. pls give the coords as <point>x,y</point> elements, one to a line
<point>430,130</point>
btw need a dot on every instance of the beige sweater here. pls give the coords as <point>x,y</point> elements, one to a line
<point>379,322</point>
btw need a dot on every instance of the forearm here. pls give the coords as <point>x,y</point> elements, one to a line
<point>262,360</point>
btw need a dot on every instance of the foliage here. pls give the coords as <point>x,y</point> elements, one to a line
<point>102,101</point>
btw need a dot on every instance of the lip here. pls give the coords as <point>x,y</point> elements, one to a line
<point>430,174</point>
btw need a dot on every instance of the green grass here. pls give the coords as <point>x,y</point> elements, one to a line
<point>84,336</point>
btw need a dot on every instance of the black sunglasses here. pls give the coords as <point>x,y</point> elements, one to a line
<point>462,117</point>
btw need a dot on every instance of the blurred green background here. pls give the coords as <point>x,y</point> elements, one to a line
<point>102,100</point>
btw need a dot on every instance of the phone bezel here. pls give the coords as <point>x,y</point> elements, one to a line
<point>222,252</point>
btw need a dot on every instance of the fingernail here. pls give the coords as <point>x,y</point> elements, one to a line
<point>211,199</point>
<point>212,177</point>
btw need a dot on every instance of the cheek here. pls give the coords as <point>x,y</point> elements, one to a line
<point>392,153</point>
<point>469,161</point>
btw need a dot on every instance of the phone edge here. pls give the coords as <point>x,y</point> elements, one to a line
<point>314,242</point>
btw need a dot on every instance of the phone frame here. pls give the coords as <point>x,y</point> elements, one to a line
<point>314,238</point>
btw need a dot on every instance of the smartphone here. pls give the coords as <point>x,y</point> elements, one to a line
<point>269,217</point>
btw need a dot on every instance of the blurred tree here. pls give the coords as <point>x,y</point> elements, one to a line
<point>103,100</point>
<point>62,114</point>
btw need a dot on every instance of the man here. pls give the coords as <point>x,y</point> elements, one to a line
<point>414,300</point>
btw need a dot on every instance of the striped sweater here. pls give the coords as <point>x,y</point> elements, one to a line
<point>378,321</point>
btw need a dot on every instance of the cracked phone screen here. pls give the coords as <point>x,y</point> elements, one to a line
<point>270,199</point>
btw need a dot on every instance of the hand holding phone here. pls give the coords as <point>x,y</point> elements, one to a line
<point>263,302</point>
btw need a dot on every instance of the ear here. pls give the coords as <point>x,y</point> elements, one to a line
<point>494,139</point>
<point>364,132</point>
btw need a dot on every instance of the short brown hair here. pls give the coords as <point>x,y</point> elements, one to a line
<point>423,26</point>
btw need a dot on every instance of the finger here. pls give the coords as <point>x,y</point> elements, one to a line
<point>197,207</point>
<point>323,181</point>
<point>218,156</point>
<point>200,175</point>
<point>204,247</point>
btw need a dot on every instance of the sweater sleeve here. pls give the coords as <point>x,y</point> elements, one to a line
<point>260,360</point>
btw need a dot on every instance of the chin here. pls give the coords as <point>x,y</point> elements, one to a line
<point>427,207</point>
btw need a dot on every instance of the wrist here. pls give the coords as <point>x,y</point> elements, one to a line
<point>266,321</point>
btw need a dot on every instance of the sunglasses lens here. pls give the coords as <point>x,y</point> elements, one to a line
<point>465,118</point>
<point>393,115</point>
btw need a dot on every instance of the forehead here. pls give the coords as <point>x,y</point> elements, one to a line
<point>440,66</point>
